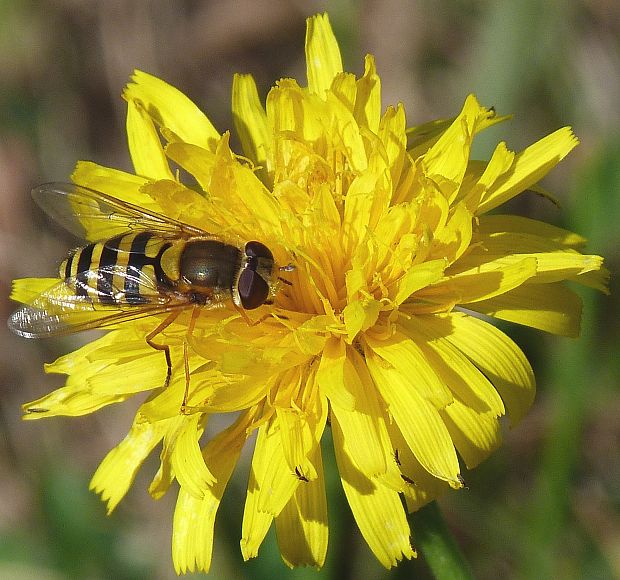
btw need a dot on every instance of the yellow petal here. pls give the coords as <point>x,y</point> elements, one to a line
<point>496,355</point>
<point>192,534</point>
<point>597,278</point>
<point>356,278</point>
<point>181,457</point>
<point>323,61</point>
<point>392,227</point>
<point>292,113</point>
<point>269,468</point>
<point>130,375</point>
<point>228,394</point>
<point>25,290</point>
<point>454,369</point>
<point>162,480</point>
<point>100,352</point>
<point>359,316</point>
<point>418,277</point>
<point>480,176</point>
<point>407,359</point>
<point>549,307</point>
<point>368,98</point>
<point>550,266</point>
<point>451,242</point>
<point>118,184</point>
<point>270,487</point>
<point>393,136</point>
<point>422,137</point>
<point>505,244</point>
<point>433,212</point>
<point>330,375</point>
<point>145,148</point>
<point>256,523</point>
<point>553,248</point>
<point>250,121</point>
<point>367,199</point>
<point>187,461</point>
<point>245,351</point>
<point>166,403</point>
<point>236,194</point>
<point>194,519</point>
<point>476,435</point>
<point>530,165</point>
<point>297,443</point>
<point>184,204</point>
<point>80,396</point>
<point>340,124</point>
<point>518,230</point>
<point>420,486</point>
<point>170,108</point>
<point>330,215</point>
<point>490,279</point>
<point>196,160</point>
<point>360,426</point>
<point>344,86</point>
<point>446,161</point>
<point>258,200</point>
<point>301,429</point>
<point>302,524</point>
<point>117,471</point>
<point>276,481</point>
<point>70,401</point>
<point>377,510</point>
<point>418,419</point>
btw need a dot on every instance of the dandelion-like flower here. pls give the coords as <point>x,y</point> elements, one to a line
<point>376,332</point>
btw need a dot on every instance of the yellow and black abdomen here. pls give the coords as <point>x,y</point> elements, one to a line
<point>125,269</point>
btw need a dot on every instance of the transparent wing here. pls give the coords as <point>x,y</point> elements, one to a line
<point>32,322</point>
<point>96,216</point>
<point>93,299</point>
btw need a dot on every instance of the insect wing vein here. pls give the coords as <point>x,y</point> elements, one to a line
<point>60,310</point>
<point>96,216</point>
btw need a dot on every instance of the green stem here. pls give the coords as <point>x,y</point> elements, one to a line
<point>437,545</point>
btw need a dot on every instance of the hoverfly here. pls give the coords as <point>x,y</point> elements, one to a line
<point>140,264</point>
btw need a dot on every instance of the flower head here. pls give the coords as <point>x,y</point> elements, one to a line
<point>374,334</point>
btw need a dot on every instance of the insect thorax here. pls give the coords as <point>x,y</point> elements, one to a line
<point>209,264</point>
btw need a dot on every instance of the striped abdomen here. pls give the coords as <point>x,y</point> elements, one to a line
<point>125,269</point>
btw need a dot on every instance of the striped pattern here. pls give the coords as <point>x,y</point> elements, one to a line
<point>125,269</point>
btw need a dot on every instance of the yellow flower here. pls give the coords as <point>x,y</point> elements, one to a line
<point>378,335</point>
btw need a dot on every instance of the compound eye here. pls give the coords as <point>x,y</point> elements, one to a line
<point>253,290</point>
<point>258,250</point>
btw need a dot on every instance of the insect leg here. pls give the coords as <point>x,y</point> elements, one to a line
<point>163,347</point>
<point>247,319</point>
<point>185,409</point>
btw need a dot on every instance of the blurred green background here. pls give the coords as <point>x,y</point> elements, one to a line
<point>547,504</point>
